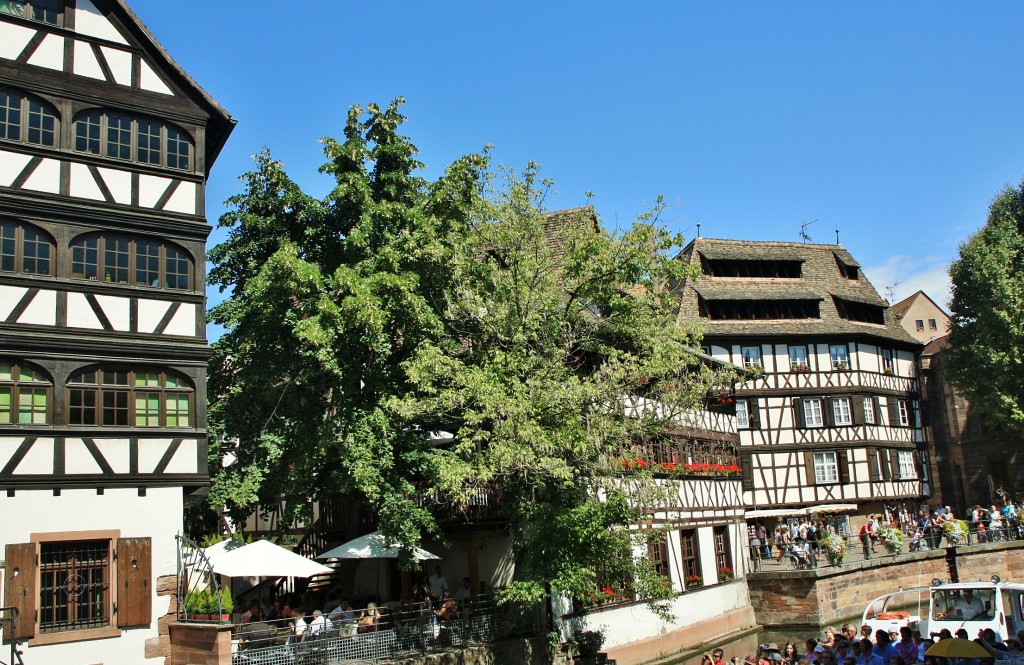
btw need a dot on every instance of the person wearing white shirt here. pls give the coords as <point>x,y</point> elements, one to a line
<point>438,583</point>
<point>320,626</point>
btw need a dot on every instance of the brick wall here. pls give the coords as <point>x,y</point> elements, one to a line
<point>829,596</point>
<point>200,644</point>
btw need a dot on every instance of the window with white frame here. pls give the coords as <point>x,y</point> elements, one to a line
<point>826,468</point>
<point>841,411</point>
<point>901,406</point>
<point>742,414</point>
<point>906,462</point>
<point>798,358</point>
<point>887,364</point>
<point>869,411</point>
<point>751,356</point>
<point>839,355</point>
<point>812,413</point>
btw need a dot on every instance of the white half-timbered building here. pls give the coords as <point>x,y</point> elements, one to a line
<point>105,147</point>
<point>834,416</point>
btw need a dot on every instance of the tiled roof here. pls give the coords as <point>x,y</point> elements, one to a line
<point>820,279</point>
<point>556,226</point>
<point>936,345</point>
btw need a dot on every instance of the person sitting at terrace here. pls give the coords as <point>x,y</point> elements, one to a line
<point>369,619</point>
<point>449,608</point>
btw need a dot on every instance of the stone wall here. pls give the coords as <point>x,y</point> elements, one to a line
<point>830,595</point>
<point>160,646</point>
<point>200,644</point>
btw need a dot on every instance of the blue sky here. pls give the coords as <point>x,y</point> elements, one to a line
<point>895,122</point>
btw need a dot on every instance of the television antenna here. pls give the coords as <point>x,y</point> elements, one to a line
<point>890,290</point>
<point>803,231</point>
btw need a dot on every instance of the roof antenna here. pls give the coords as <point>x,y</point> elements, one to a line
<point>803,231</point>
<point>837,234</point>
<point>698,229</point>
<point>890,290</point>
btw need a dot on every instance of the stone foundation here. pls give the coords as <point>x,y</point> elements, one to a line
<point>200,644</point>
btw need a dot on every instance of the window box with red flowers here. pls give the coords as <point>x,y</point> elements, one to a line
<point>694,582</point>
<point>725,574</point>
<point>800,368</point>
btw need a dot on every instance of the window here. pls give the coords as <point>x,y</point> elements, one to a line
<point>751,356</point>
<point>904,414</point>
<point>119,397</point>
<point>24,395</point>
<point>127,260</point>
<point>932,325</point>
<point>919,324</point>
<point>906,462</point>
<point>841,412</point>
<point>887,364</point>
<point>723,557</point>
<point>839,355</point>
<point>861,312</point>
<point>46,11</point>
<point>26,119</point>
<point>826,468</point>
<point>759,310</point>
<point>690,550</point>
<point>869,411</point>
<point>71,582</point>
<point>134,139</point>
<point>812,413</point>
<point>774,269</point>
<point>742,415</point>
<point>659,558</point>
<point>25,249</point>
<point>798,358</point>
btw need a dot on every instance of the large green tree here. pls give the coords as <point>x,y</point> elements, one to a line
<point>404,336</point>
<point>986,360</point>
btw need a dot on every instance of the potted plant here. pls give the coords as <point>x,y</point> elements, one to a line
<point>205,605</point>
<point>694,582</point>
<point>891,538</point>
<point>834,546</point>
<point>841,366</point>
<point>725,573</point>
<point>955,532</point>
<point>588,645</point>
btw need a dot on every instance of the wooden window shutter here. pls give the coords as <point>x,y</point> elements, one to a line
<point>828,414</point>
<point>894,462</point>
<point>747,472</point>
<point>858,409</point>
<point>809,466</point>
<point>20,588</point>
<point>753,414</point>
<point>134,592</point>
<point>873,464</point>
<point>894,412</point>
<point>842,466</point>
<point>877,409</point>
<point>798,413</point>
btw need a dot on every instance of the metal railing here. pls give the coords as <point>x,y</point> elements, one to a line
<point>766,558</point>
<point>8,621</point>
<point>384,634</point>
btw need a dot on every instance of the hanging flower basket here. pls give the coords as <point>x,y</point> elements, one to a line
<point>834,547</point>
<point>955,532</point>
<point>891,538</point>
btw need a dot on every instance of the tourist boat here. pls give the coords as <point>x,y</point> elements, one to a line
<point>972,606</point>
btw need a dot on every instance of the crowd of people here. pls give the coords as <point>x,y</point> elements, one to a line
<point>307,616</point>
<point>850,646</point>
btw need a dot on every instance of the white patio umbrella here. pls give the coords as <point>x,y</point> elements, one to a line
<point>265,559</point>
<point>217,550</point>
<point>373,546</point>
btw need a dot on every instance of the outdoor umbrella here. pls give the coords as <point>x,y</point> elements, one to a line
<point>265,559</point>
<point>217,550</point>
<point>957,648</point>
<point>373,546</point>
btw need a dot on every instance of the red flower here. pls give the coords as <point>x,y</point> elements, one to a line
<point>641,463</point>
<point>670,466</point>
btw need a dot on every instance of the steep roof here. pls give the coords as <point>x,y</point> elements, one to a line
<point>221,122</point>
<point>821,279</point>
<point>902,306</point>
<point>557,226</point>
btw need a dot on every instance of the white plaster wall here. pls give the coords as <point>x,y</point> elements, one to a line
<point>13,40</point>
<point>11,163</point>
<point>120,63</point>
<point>119,183</point>
<point>151,188</point>
<point>157,515</point>
<point>116,452</point>
<point>42,310</point>
<point>183,199</point>
<point>85,61</point>
<point>150,313</point>
<point>83,185</point>
<point>151,81</point>
<point>80,314</point>
<point>46,177</point>
<point>117,310</point>
<point>78,459</point>
<point>38,460</point>
<point>632,623</point>
<point>184,321</point>
<point>186,458</point>
<point>90,21</point>
<point>50,53</point>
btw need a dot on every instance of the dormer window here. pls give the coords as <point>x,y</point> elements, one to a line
<point>847,269</point>
<point>45,11</point>
<point>751,268</point>
<point>141,140</point>
<point>26,119</point>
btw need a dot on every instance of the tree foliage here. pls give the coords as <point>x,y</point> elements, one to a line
<point>986,360</point>
<point>404,336</point>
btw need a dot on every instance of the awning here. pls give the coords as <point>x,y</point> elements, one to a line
<point>796,511</point>
<point>833,508</point>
